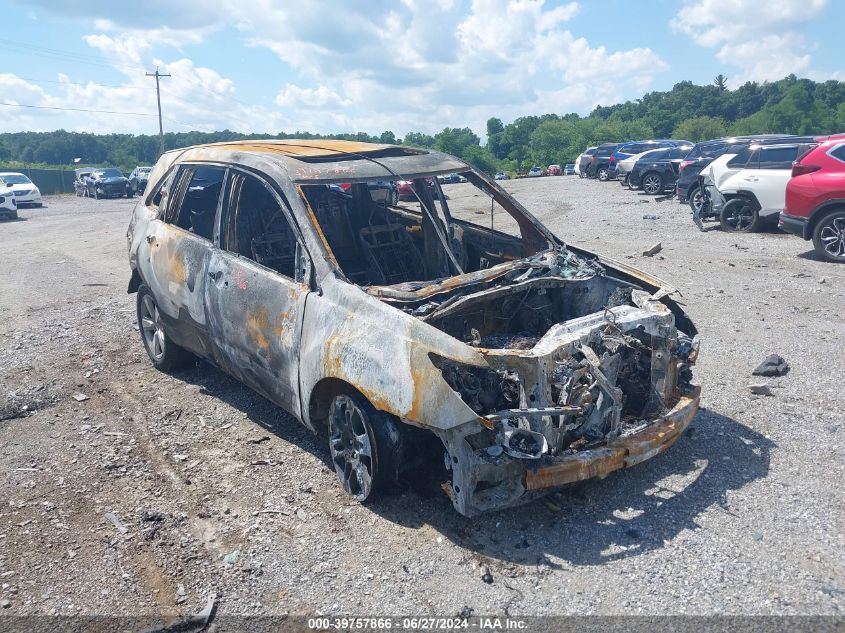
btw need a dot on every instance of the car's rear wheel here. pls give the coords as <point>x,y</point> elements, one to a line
<point>164,354</point>
<point>740,215</point>
<point>603,173</point>
<point>652,183</point>
<point>829,237</point>
<point>364,446</point>
<point>695,200</point>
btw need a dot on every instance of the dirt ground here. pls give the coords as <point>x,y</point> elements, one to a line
<point>126,491</point>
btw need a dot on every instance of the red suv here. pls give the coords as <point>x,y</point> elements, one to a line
<point>815,199</point>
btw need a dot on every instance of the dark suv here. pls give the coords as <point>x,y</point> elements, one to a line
<point>626,150</point>
<point>658,170</point>
<point>701,155</point>
<point>599,165</point>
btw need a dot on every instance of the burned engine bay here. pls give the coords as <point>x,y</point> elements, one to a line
<point>575,357</point>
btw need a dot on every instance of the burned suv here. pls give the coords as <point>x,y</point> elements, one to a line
<point>454,327</point>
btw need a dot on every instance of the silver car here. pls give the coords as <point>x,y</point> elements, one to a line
<point>501,360</point>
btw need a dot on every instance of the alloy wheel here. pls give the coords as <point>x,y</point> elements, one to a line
<point>696,201</point>
<point>351,446</point>
<point>152,329</point>
<point>738,215</point>
<point>832,237</point>
<point>652,184</point>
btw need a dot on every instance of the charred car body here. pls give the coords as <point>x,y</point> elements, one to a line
<point>533,364</point>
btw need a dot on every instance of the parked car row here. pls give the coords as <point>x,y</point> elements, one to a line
<point>109,182</point>
<point>740,183</point>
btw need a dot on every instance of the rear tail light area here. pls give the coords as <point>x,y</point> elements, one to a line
<point>612,159</point>
<point>800,170</point>
<point>684,164</point>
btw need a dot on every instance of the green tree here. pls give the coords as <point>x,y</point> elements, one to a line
<point>456,141</point>
<point>700,128</point>
<point>495,129</point>
<point>418,139</point>
<point>721,82</point>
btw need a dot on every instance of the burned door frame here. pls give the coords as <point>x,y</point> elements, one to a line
<point>176,264</point>
<point>255,313</point>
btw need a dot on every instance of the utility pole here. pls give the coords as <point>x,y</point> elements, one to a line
<point>157,75</point>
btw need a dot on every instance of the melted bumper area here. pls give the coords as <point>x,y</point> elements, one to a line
<point>519,481</point>
<point>624,451</point>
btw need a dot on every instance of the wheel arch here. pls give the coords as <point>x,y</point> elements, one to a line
<point>321,396</point>
<point>743,193</point>
<point>821,211</point>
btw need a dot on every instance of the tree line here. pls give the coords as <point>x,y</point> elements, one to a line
<point>687,111</point>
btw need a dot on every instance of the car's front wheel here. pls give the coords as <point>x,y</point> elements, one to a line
<point>829,237</point>
<point>652,183</point>
<point>165,355</point>
<point>603,174</point>
<point>364,446</point>
<point>740,215</point>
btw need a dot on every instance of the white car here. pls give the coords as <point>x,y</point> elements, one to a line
<point>624,166</point>
<point>8,205</point>
<point>25,191</point>
<point>749,188</point>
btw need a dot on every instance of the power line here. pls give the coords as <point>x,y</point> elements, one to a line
<point>65,55</point>
<point>24,105</point>
<point>76,83</point>
<point>88,59</point>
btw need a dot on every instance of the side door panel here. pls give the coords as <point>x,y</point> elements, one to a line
<point>173,263</point>
<point>255,313</point>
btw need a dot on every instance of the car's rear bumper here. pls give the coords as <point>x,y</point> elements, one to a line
<point>795,225</point>
<point>682,192</point>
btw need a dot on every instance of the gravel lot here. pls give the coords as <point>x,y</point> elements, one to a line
<point>214,490</point>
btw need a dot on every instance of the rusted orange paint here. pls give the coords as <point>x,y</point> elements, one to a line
<point>177,269</point>
<point>257,326</point>
<point>294,147</point>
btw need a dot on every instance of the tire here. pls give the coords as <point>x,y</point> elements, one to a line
<point>740,215</point>
<point>695,199</point>
<point>365,447</point>
<point>623,182</point>
<point>164,354</point>
<point>652,183</point>
<point>829,237</point>
<point>603,173</point>
<point>14,215</point>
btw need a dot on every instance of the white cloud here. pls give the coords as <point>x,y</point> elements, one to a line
<point>372,66</point>
<point>761,39</point>
<point>321,97</point>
